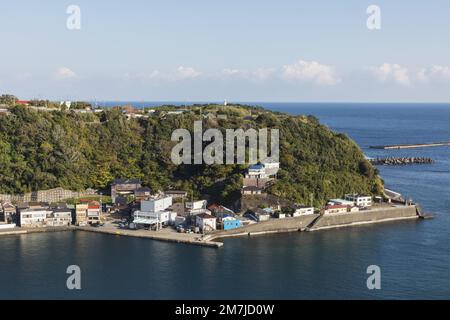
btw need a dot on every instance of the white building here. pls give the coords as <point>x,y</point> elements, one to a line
<point>155,211</point>
<point>256,171</point>
<point>271,167</point>
<point>159,217</point>
<point>205,222</point>
<point>196,205</point>
<point>303,210</point>
<point>360,201</point>
<point>335,209</point>
<point>342,202</point>
<point>33,217</point>
<point>155,205</point>
<point>59,218</point>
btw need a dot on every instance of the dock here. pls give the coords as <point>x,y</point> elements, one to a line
<point>166,235</point>
<point>412,146</point>
<point>400,161</point>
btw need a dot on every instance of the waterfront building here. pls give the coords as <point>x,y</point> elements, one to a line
<point>123,188</point>
<point>353,209</point>
<point>220,211</point>
<point>159,218</point>
<point>335,209</point>
<point>229,223</point>
<point>302,210</point>
<point>150,218</point>
<point>263,214</point>
<point>197,207</point>
<point>205,222</point>
<point>155,211</point>
<point>88,212</point>
<point>7,212</point>
<point>81,213</point>
<point>179,220</point>
<point>360,201</point>
<point>33,217</point>
<point>59,217</point>
<point>94,212</point>
<point>157,204</point>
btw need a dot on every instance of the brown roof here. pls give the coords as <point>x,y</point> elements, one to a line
<point>205,216</point>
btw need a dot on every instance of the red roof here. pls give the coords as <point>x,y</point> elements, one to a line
<point>22,102</point>
<point>213,207</point>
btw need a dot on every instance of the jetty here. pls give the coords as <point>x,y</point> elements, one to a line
<point>412,146</point>
<point>400,161</point>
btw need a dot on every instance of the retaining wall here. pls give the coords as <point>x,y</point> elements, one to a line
<point>365,217</point>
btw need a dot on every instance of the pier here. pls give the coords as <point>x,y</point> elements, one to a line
<point>400,161</point>
<point>412,146</point>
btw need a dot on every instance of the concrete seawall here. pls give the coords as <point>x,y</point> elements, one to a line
<point>365,217</point>
<point>321,222</point>
<point>304,223</point>
<point>175,237</point>
<point>266,227</point>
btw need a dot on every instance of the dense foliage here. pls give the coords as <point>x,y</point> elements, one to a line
<point>41,150</point>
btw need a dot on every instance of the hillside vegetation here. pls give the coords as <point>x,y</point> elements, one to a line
<point>42,150</point>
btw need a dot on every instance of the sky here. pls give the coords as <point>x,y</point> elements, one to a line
<point>203,50</point>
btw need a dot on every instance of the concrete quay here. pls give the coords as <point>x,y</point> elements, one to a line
<point>168,235</point>
<point>312,222</point>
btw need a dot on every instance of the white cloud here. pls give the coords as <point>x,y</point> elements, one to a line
<point>311,71</point>
<point>435,72</point>
<point>231,72</point>
<point>181,73</point>
<point>185,73</point>
<point>392,72</point>
<point>263,73</point>
<point>64,73</point>
<point>259,74</point>
<point>23,76</point>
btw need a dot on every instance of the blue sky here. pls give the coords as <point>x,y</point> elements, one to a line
<point>249,50</point>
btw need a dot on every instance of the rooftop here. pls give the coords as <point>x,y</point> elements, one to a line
<point>256,167</point>
<point>126,181</point>
<point>205,216</point>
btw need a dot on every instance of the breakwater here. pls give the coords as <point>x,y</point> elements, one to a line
<point>412,146</point>
<point>401,161</point>
<point>376,215</point>
<point>320,222</point>
<point>272,226</point>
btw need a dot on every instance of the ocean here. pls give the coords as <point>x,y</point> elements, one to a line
<point>413,256</point>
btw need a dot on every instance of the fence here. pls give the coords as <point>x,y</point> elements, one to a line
<point>52,195</point>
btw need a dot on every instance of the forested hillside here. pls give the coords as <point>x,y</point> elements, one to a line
<point>41,150</point>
